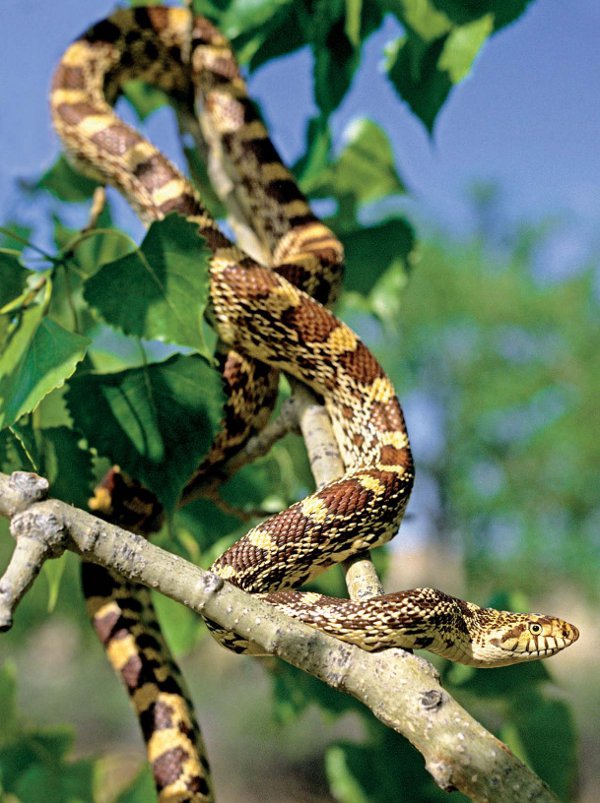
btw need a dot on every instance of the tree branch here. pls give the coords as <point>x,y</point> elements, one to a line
<point>401,689</point>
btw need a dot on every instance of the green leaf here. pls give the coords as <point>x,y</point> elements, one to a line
<point>94,247</point>
<point>465,11</point>
<point>462,46</point>
<point>364,172</point>
<point>370,252</point>
<point>199,173</point>
<point>14,236</point>
<point>144,98</point>
<point>545,738</point>
<point>359,773</point>
<point>181,624</point>
<point>13,454</point>
<point>68,184</point>
<point>159,291</point>
<point>141,790</point>
<point>242,16</point>
<point>335,57</point>
<point>23,433</point>
<point>352,26</point>
<point>39,358</point>
<point>284,33</point>
<point>34,768</point>
<point>412,68</point>
<point>315,160</point>
<point>53,571</point>
<point>8,702</point>
<point>424,65</point>
<point>66,465</point>
<point>157,422</point>
<point>366,167</point>
<point>12,276</point>
<point>344,786</point>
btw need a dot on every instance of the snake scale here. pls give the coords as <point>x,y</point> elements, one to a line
<point>271,318</point>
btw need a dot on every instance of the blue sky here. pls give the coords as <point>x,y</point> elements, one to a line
<point>528,116</point>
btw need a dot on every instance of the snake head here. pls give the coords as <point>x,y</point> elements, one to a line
<point>526,637</point>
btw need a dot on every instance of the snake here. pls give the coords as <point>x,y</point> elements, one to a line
<point>272,317</point>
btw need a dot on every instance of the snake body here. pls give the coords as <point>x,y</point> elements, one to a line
<point>274,318</point>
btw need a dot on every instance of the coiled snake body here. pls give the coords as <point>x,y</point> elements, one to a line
<point>276,315</point>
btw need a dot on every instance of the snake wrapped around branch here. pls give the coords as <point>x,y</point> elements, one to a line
<point>272,318</point>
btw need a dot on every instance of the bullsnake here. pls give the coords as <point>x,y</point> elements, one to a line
<point>268,315</point>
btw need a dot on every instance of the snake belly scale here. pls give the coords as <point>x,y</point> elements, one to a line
<point>274,316</point>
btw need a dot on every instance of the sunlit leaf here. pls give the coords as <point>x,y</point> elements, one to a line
<point>462,46</point>
<point>352,26</point>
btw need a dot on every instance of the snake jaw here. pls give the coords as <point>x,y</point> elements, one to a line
<point>526,637</point>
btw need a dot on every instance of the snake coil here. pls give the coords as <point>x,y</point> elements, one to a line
<point>271,318</point>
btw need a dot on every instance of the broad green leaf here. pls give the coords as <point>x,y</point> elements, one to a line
<point>67,183</point>
<point>157,422</point>
<point>159,291</point>
<point>14,455</point>
<point>294,691</point>
<point>112,350</point>
<point>39,358</point>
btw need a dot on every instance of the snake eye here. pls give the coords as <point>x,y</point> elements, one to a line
<point>535,629</point>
